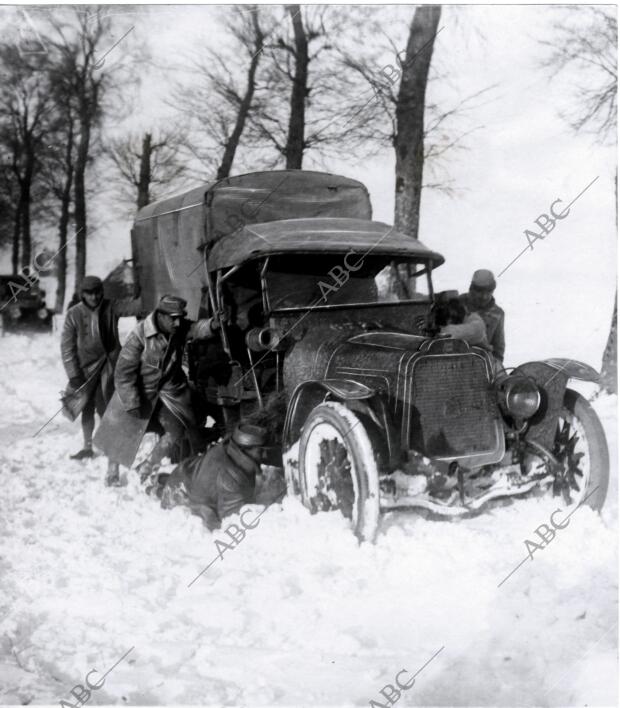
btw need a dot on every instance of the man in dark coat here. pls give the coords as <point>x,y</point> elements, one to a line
<point>220,482</point>
<point>89,346</point>
<point>151,387</point>
<point>480,299</point>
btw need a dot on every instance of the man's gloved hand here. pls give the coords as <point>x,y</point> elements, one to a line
<point>224,317</point>
<point>134,412</point>
<point>421,323</point>
<point>426,327</point>
<point>76,381</point>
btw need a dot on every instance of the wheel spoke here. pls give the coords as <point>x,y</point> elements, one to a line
<point>566,494</point>
<point>324,452</point>
<point>571,479</point>
<point>334,486</point>
<point>573,484</point>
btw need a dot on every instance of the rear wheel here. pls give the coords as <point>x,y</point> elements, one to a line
<point>338,469</point>
<point>581,449</point>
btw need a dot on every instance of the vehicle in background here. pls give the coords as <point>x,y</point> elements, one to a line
<point>23,305</point>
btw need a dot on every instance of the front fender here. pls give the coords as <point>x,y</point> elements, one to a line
<point>573,369</point>
<point>568,368</point>
<point>551,376</point>
<point>309,394</point>
<point>347,389</point>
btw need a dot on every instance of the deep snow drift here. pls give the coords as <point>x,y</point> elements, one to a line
<point>298,613</point>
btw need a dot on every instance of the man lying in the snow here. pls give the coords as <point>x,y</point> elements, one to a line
<point>220,482</point>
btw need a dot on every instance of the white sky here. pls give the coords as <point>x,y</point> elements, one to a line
<point>558,298</point>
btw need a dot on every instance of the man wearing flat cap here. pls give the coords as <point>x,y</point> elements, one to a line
<point>89,347</point>
<point>152,392</point>
<point>218,483</point>
<point>480,299</point>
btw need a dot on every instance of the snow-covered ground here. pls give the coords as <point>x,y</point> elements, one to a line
<point>298,613</point>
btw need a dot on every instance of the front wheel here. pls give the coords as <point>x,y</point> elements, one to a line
<point>338,469</point>
<point>581,449</point>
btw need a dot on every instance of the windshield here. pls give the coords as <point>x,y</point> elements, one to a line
<point>303,281</point>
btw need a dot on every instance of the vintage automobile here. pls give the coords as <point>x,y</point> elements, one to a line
<point>328,311</point>
<point>22,304</point>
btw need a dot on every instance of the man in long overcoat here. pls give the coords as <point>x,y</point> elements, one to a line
<point>480,299</point>
<point>220,482</point>
<point>151,387</point>
<point>89,347</point>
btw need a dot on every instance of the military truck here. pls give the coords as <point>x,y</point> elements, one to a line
<point>380,412</point>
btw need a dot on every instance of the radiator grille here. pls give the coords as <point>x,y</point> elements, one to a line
<point>453,407</point>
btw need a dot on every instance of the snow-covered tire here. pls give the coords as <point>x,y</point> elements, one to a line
<point>581,445</point>
<point>338,469</point>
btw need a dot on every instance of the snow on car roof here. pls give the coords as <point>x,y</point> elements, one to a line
<point>318,235</point>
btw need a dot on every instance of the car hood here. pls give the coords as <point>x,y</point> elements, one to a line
<point>399,341</point>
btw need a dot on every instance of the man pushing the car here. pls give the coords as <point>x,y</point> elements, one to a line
<point>152,392</point>
<point>480,299</point>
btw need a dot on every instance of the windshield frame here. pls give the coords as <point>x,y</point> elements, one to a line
<point>427,268</point>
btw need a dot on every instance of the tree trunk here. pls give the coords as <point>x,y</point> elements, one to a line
<point>297,119</point>
<point>80,200</point>
<point>63,225</point>
<point>16,238</point>
<point>233,141</point>
<point>609,368</point>
<point>26,186</point>
<point>144,180</point>
<point>409,139</point>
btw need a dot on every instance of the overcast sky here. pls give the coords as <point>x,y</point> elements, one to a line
<point>522,159</point>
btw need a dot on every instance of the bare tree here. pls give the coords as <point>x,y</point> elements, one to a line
<point>310,104</point>
<point>294,150</point>
<point>63,192</point>
<point>585,40</point>
<point>83,44</point>
<point>395,113</point>
<point>9,216</point>
<point>609,367</point>
<point>146,162</point>
<point>222,94</point>
<point>52,102</point>
<point>383,73</point>
<point>59,165</point>
<point>244,103</point>
<point>409,138</point>
<point>25,104</point>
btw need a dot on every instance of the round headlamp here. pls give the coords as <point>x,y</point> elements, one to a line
<point>520,397</point>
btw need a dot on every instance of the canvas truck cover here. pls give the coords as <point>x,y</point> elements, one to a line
<point>284,194</point>
<point>169,236</point>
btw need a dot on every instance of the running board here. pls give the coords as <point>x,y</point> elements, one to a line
<point>447,508</point>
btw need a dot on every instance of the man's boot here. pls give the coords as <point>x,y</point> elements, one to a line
<point>146,469</point>
<point>84,454</point>
<point>112,478</point>
<point>151,465</point>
